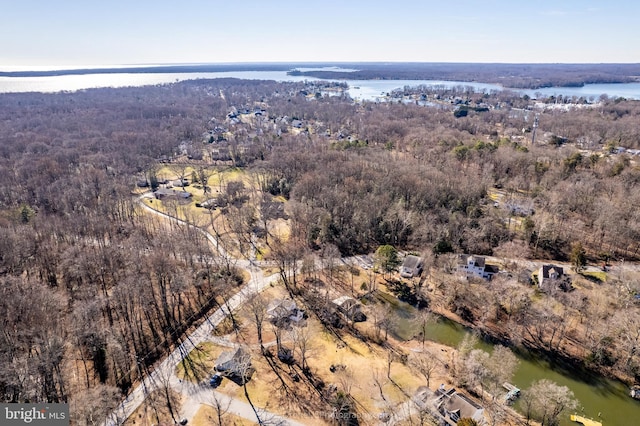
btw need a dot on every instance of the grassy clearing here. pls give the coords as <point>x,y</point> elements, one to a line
<point>199,364</point>
<point>598,276</point>
<point>219,179</point>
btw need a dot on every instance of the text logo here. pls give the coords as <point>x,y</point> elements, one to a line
<point>34,414</point>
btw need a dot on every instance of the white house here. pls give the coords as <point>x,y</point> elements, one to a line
<point>475,266</point>
<point>411,267</point>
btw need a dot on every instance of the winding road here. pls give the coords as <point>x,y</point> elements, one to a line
<point>197,394</point>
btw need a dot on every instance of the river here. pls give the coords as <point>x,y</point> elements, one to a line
<point>597,395</point>
<point>358,89</point>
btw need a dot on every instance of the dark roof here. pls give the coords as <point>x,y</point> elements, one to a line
<point>491,269</point>
<point>546,270</point>
<point>478,261</point>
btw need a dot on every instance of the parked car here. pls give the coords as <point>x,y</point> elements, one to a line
<point>215,380</point>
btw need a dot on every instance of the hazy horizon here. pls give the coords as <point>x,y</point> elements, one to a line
<point>122,33</point>
<point>18,68</point>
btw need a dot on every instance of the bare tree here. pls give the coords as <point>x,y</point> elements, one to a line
<point>501,366</point>
<point>546,401</point>
<point>383,319</point>
<point>243,371</point>
<point>423,320</point>
<point>302,340</point>
<point>426,364</point>
<point>203,177</point>
<point>258,308</point>
<point>92,406</point>
<point>181,171</point>
<point>220,406</point>
<point>168,397</point>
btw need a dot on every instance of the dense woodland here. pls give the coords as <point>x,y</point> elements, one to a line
<point>93,291</point>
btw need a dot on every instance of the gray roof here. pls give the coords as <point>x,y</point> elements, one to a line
<point>462,405</point>
<point>340,301</point>
<point>411,262</point>
<point>281,307</point>
<point>232,359</point>
<point>166,192</point>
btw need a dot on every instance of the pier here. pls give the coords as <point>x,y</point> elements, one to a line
<point>512,393</point>
<point>584,420</point>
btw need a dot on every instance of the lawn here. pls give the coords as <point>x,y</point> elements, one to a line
<point>362,362</point>
<point>597,276</point>
<point>199,364</point>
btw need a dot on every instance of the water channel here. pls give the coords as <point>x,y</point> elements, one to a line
<point>358,89</point>
<point>598,396</point>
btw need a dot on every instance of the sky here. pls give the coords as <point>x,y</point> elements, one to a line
<point>41,33</point>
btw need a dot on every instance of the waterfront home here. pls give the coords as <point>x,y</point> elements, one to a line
<point>475,266</point>
<point>448,406</point>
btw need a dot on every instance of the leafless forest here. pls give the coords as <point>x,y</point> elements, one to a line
<point>93,291</point>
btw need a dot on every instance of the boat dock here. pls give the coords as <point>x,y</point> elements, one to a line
<point>512,392</point>
<point>584,420</point>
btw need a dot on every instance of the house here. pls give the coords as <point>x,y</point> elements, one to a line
<point>282,311</point>
<point>180,182</point>
<point>211,203</point>
<point>165,193</point>
<point>475,266</point>
<point>552,276</point>
<point>448,406</point>
<point>350,308</point>
<point>411,267</point>
<point>235,363</point>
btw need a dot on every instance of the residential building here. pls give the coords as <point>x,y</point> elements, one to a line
<point>448,406</point>
<point>552,277</point>
<point>476,266</point>
<point>411,267</point>
<point>166,193</point>
<point>235,363</point>
<point>350,308</point>
<point>280,311</point>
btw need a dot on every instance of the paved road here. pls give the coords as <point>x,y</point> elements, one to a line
<point>166,369</point>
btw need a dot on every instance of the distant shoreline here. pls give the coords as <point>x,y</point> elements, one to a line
<point>520,76</point>
<point>154,69</point>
